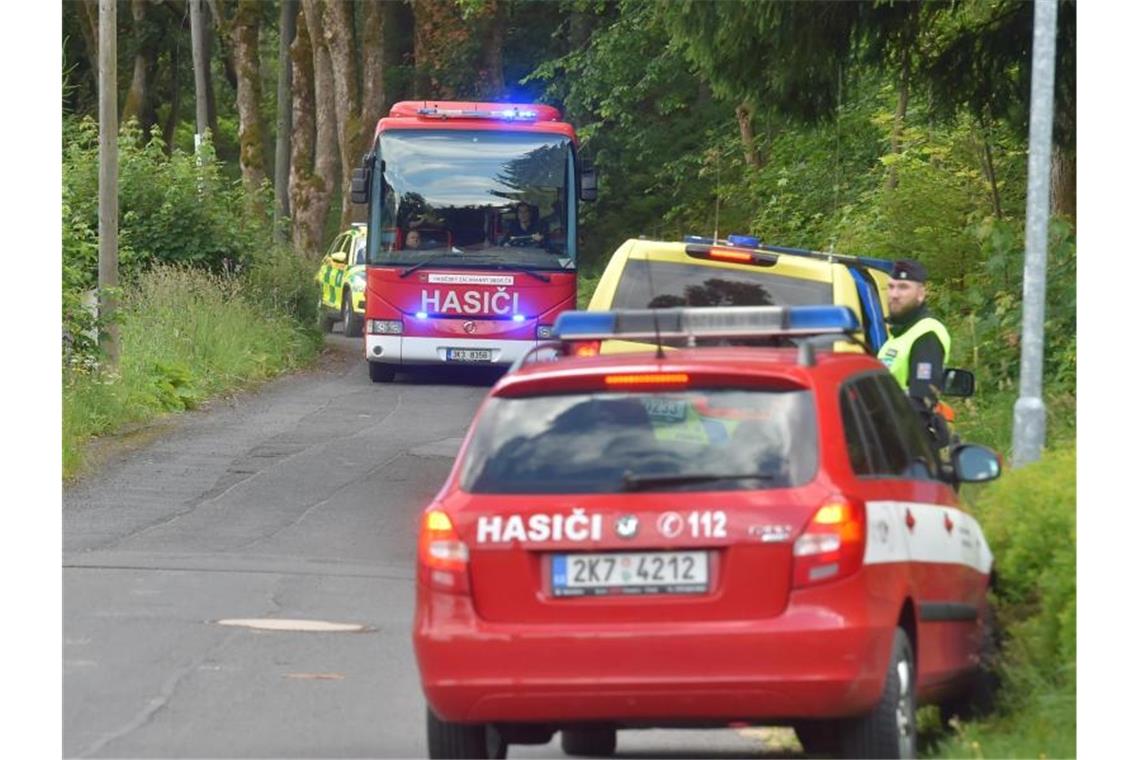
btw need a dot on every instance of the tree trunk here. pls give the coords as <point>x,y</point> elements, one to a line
<point>747,136</point>
<point>137,105</point>
<point>493,84</point>
<point>375,54</point>
<point>211,100</point>
<point>312,192</point>
<point>991,175</point>
<point>399,47</point>
<point>1063,184</point>
<point>422,82</point>
<point>251,133</point>
<point>171,125</point>
<point>340,39</point>
<point>900,118</point>
<point>287,30</point>
<point>303,142</point>
<point>89,23</point>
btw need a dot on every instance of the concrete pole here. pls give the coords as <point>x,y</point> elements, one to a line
<point>287,29</point>
<point>197,46</point>
<point>1029,411</point>
<point>108,183</point>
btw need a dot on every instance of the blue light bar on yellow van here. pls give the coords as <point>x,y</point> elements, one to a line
<point>706,322</point>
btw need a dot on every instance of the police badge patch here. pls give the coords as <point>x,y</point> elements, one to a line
<point>923,371</point>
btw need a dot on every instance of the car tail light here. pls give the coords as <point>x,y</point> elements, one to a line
<point>443,557</point>
<point>831,547</point>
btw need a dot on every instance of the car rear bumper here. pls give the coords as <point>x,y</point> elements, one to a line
<point>809,662</point>
<point>398,349</point>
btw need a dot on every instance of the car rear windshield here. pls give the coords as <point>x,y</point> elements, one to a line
<point>659,285</point>
<point>708,440</point>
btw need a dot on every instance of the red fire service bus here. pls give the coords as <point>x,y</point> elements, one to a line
<point>472,232</point>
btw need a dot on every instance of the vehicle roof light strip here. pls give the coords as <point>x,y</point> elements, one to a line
<point>714,322</point>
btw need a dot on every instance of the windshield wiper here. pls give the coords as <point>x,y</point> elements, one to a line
<point>528,270</point>
<point>644,482</point>
<point>425,262</point>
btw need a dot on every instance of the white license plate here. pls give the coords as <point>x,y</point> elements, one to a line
<point>469,354</point>
<point>629,573</point>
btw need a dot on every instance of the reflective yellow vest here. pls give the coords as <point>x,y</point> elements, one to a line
<point>895,353</point>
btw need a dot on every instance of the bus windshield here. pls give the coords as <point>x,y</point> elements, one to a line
<point>474,198</point>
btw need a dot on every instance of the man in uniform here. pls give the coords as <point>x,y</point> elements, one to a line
<point>918,345</point>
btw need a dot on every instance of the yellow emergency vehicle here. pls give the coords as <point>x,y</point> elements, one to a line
<point>740,272</point>
<point>342,282</point>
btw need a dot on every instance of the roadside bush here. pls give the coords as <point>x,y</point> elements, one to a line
<point>1029,517</point>
<point>171,208</point>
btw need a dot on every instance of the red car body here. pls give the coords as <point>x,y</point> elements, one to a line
<point>765,643</point>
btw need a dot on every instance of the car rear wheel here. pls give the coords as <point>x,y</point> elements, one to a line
<point>463,740</point>
<point>381,373</point>
<point>353,325</point>
<point>890,729</point>
<point>589,742</point>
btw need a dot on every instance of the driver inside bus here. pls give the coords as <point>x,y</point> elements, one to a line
<point>526,228</point>
<point>412,240</point>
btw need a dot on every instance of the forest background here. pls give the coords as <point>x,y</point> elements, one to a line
<point>882,128</point>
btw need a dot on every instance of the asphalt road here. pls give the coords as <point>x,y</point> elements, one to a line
<point>295,502</point>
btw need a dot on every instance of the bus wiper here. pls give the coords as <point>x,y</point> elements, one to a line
<point>521,268</point>
<point>633,482</point>
<point>425,262</point>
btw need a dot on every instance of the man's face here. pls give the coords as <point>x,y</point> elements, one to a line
<point>904,296</point>
<point>413,239</point>
<point>524,215</point>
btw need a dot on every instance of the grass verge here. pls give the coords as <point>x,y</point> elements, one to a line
<point>186,335</point>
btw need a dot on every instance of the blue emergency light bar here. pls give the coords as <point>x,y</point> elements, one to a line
<point>509,114</point>
<point>706,322</point>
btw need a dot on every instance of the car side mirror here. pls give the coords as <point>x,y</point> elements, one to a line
<point>957,382</point>
<point>339,257</point>
<point>588,191</point>
<point>975,464</point>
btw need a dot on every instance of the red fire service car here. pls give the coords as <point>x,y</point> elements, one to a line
<point>472,232</point>
<point>718,534</point>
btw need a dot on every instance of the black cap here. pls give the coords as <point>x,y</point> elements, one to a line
<point>908,269</point>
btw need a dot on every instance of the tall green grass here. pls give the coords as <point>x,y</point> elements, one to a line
<point>187,334</point>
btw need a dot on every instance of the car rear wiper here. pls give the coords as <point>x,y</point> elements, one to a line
<point>644,482</point>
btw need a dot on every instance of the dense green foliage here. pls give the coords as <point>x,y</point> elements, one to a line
<point>208,302</point>
<point>1029,517</point>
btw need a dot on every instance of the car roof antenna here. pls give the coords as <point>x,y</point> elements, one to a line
<point>652,298</point>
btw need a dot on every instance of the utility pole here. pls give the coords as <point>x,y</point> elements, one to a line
<point>108,183</point>
<point>287,28</point>
<point>1029,411</point>
<point>197,42</point>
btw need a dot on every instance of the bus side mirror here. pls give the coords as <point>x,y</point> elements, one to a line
<point>588,190</point>
<point>957,382</point>
<point>360,183</point>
